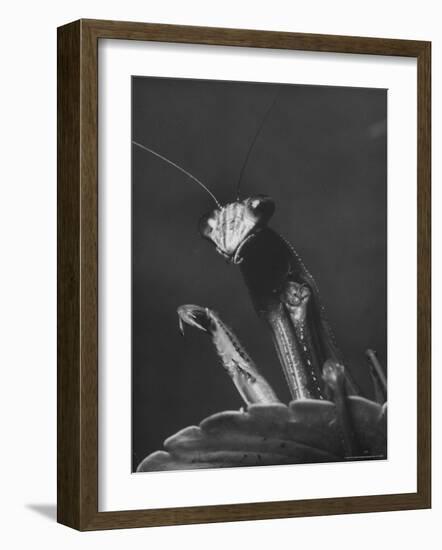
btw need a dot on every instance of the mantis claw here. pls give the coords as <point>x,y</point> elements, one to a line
<point>195,316</point>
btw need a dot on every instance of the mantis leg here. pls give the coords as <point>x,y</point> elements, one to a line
<point>249,382</point>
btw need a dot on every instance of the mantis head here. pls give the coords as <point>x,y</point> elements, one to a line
<point>231,226</point>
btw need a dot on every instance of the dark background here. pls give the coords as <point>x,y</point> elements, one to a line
<point>322,157</point>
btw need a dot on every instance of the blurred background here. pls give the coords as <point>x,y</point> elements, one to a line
<point>322,157</point>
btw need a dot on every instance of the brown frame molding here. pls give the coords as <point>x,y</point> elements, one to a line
<point>77,459</point>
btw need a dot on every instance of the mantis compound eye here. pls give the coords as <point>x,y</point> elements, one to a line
<point>206,225</point>
<point>262,207</point>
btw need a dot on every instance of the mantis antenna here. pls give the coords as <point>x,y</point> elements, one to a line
<point>188,174</point>
<point>252,144</point>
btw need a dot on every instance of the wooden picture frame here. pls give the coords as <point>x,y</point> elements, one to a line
<point>78,274</point>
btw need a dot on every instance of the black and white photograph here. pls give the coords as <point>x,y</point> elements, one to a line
<point>259,274</point>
